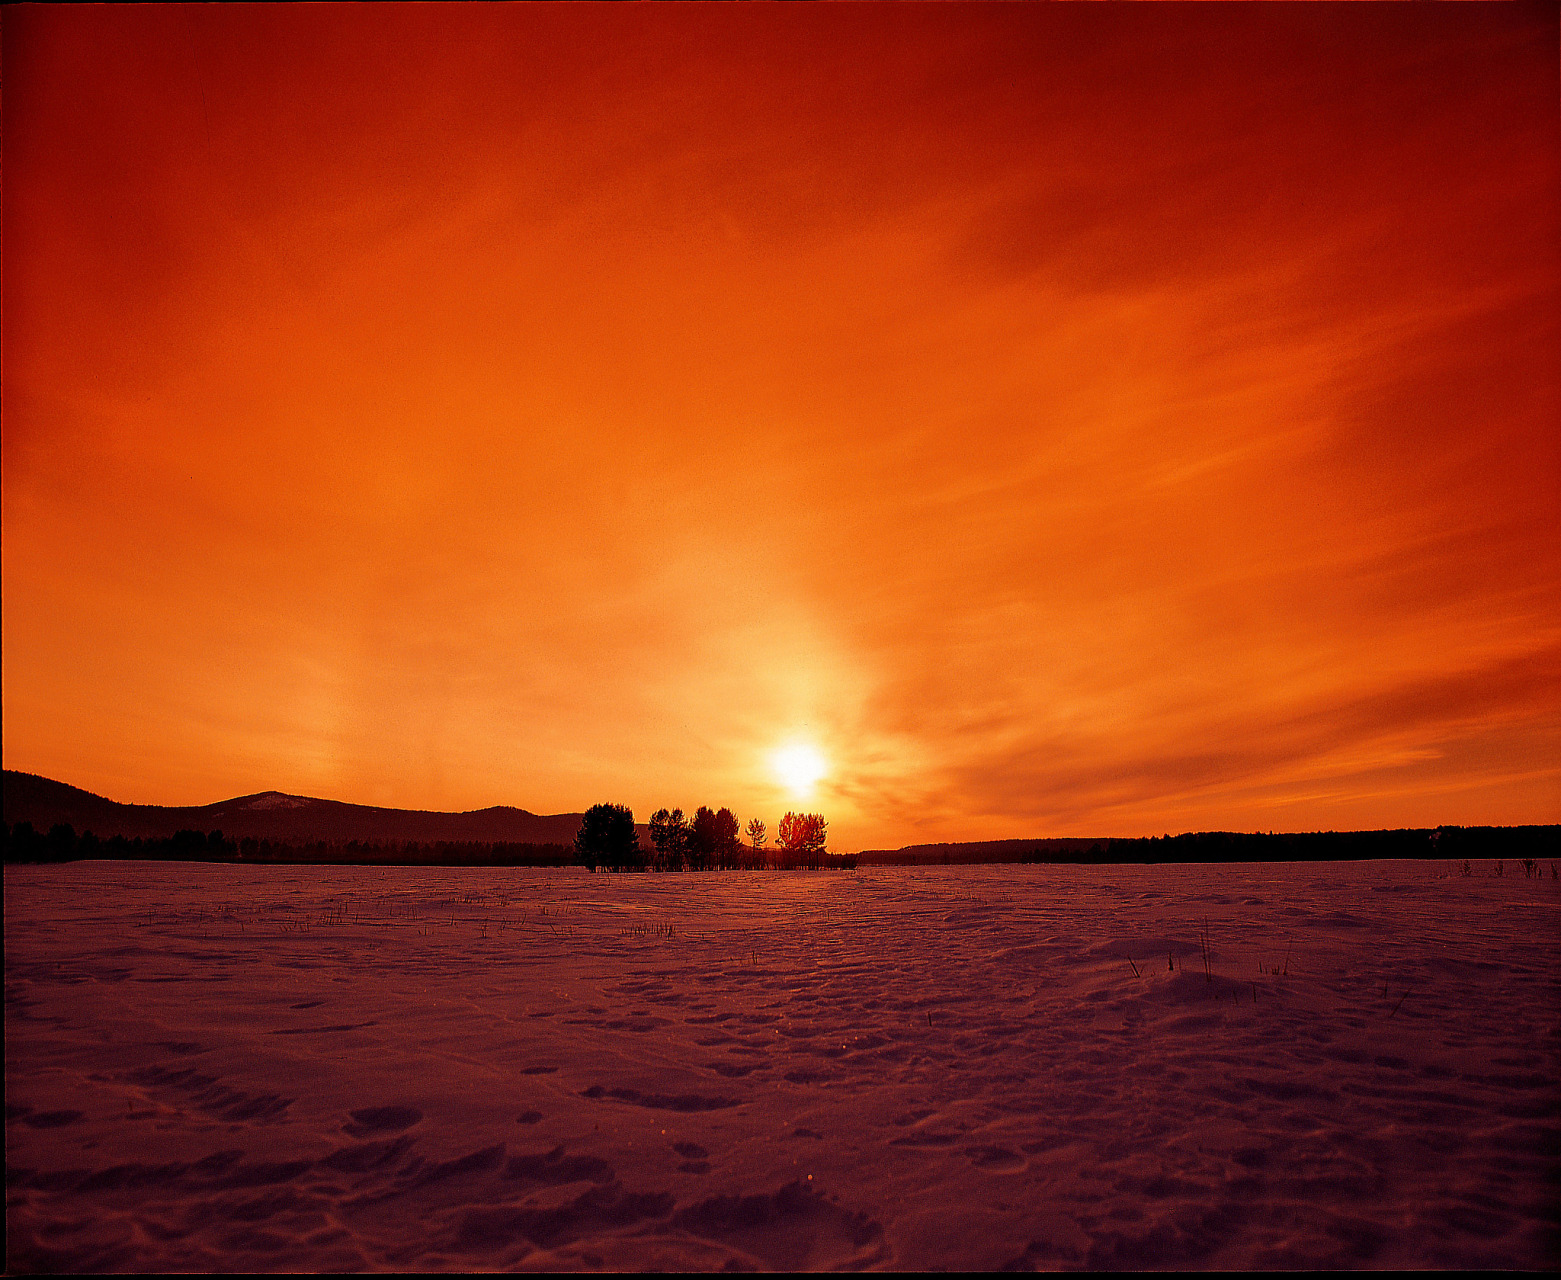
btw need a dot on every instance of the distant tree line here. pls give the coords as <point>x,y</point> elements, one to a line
<point>709,841</point>
<point>1329,846</point>
<point>62,844</point>
<point>1239,846</point>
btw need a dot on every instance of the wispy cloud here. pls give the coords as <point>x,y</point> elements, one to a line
<point>1096,420</point>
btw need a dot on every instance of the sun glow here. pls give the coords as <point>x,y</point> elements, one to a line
<point>799,766</point>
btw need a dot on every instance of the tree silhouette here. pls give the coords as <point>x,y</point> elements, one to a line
<point>606,838</point>
<point>754,859</point>
<point>728,845</point>
<point>712,840</point>
<point>802,839</point>
<point>669,833</point>
<point>702,839</point>
<point>62,842</point>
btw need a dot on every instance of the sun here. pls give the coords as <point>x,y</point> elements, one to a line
<point>799,766</point>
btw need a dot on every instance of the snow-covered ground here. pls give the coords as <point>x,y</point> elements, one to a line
<point>308,1068</point>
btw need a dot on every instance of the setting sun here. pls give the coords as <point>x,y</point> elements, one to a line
<point>799,767</point>
<point>1084,419</point>
<point>780,637</point>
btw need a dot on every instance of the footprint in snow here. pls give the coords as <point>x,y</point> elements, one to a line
<point>382,1120</point>
<point>994,1158</point>
<point>662,1102</point>
<point>554,1169</point>
<point>51,1119</point>
<point>794,1229</point>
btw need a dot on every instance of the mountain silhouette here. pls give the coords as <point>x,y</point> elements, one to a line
<point>276,816</point>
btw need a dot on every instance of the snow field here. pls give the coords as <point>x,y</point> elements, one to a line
<point>310,1068</point>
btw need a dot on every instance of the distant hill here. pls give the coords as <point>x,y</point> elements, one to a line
<point>276,816</point>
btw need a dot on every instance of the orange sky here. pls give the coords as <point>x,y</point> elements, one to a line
<point>1072,419</point>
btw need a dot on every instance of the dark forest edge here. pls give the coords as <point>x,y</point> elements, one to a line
<point>62,844</point>
<point>1530,850</point>
<point>1458,843</point>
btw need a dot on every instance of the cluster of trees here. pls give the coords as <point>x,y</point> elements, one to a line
<point>708,841</point>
